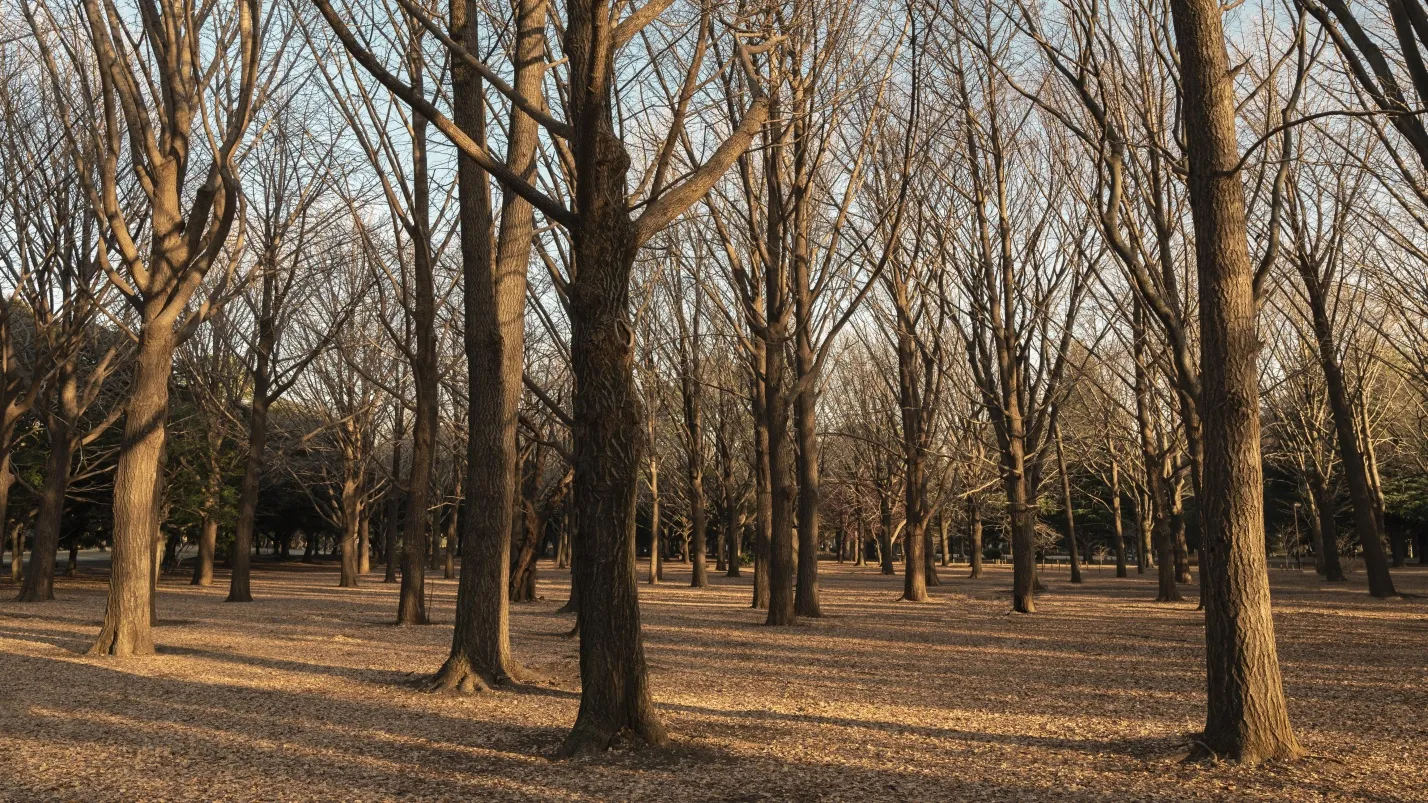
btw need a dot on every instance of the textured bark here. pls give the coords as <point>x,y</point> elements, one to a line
<point>608,444</point>
<point>929,558</point>
<point>1247,719</point>
<point>127,628</point>
<point>911,397</point>
<point>1177,531</point>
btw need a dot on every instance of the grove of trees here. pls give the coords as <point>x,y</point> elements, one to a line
<point>749,285</point>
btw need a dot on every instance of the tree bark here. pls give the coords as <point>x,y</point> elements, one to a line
<point>127,628</point>
<point>607,439</point>
<point>1246,719</point>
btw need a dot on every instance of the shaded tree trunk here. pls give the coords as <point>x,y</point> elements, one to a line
<point>39,581</point>
<point>1326,546</point>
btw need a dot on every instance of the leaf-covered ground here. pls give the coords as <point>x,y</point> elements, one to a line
<point>307,694</point>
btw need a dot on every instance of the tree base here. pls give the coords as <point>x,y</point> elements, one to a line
<point>585,739</point>
<point>35,595</point>
<point>1277,750</point>
<point>122,642</point>
<point>457,676</point>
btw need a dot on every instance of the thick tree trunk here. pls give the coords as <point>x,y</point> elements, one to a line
<point>929,559</point>
<point>1023,522</point>
<point>127,623</point>
<point>608,444</point>
<point>494,297</point>
<point>781,558</point>
<point>1247,719</point>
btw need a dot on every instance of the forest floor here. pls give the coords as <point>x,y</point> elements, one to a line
<point>308,694</point>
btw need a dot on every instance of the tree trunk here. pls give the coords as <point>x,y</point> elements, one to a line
<point>364,541</point>
<point>806,602</point>
<point>1326,547</point>
<point>763,494</point>
<point>391,553</point>
<point>238,584</point>
<point>127,624</point>
<point>1118,538</point>
<point>943,542</point>
<point>207,545</point>
<point>655,574</point>
<point>494,298</point>
<point>17,553</point>
<point>39,581</point>
<point>1246,719</point>
<point>1066,502</point>
<point>1361,495</point>
<point>974,537</point>
<point>1177,532</point>
<point>607,439</point>
<point>885,536</point>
